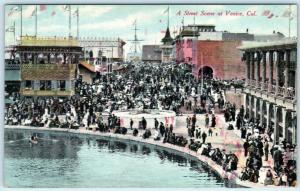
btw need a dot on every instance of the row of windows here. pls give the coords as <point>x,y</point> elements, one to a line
<point>46,84</point>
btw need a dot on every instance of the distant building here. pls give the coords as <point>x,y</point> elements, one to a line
<point>99,50</point>
<point>151,53</point>
<point>186,40</point>
<point>228,36</point>
<point>270,92</point>
<point>276,36</point>
<point>215,52</point>
<point>218,59</point>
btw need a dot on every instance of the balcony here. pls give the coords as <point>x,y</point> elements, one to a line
<point>269,89</point>
<point>30,92</point>
<point>48,71</point>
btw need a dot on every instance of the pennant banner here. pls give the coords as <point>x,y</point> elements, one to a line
<point>42,7</point>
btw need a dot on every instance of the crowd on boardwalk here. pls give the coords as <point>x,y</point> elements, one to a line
<point>163,87</point>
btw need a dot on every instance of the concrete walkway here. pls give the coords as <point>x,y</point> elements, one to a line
<point>230,140</point>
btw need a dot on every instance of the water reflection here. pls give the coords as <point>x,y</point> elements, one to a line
<point>72,158</point>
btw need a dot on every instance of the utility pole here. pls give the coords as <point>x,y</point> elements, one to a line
<point>21,20</point>
<point>77,23</point>
<point>14,33</point>
<point>290,13</point>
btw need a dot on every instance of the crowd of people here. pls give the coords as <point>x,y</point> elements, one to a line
<point>163,87</point>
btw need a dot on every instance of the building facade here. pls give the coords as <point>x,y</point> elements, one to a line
<point>48,65</point>
<point>99,50</point>
<point>218,59</point>
<point>211,53</point>
<point>270,93</point>
<point>151,53</point>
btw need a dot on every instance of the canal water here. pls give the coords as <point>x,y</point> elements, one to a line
<point>65,160</point>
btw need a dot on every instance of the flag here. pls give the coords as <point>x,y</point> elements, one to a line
<point>167,10</point>
<point>66,7</point>
<point>287,13</point>
<point>13,10</point>
<point>10,29</point>
<point>134,23</point>
<point>16,8</point>
<point>33,13</point>
<point>53,13</point>
<point>266,13</point>
<point>42,7</point>
<point>75,12</point>
<point>270,16</point>
<point>10,13</point>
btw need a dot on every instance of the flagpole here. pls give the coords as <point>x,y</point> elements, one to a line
<point>168,15</point>
<point>77,23</point>
<point>290,11</point>
<point>69,21</point>
<point>35,21</point>
<point>21,22</point>
<point>14,33</point>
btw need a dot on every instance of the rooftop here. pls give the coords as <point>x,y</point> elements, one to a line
<point>167,39</point>
<point>48,41</point>
<point>262,45</point>
<point>202,25</point>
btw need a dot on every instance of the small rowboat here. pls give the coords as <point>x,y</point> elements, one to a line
<point>33,141</point>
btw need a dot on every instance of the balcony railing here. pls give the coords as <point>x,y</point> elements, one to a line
<point>263,86</point>
<point>30,92</point>
<point>251,83</point>
<point>271,89</point>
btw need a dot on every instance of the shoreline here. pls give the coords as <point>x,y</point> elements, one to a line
<point>230,176</point>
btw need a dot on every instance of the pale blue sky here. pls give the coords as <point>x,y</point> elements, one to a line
<point>116,20</point>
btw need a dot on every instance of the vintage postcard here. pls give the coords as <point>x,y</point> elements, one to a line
<point>150,96</point>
